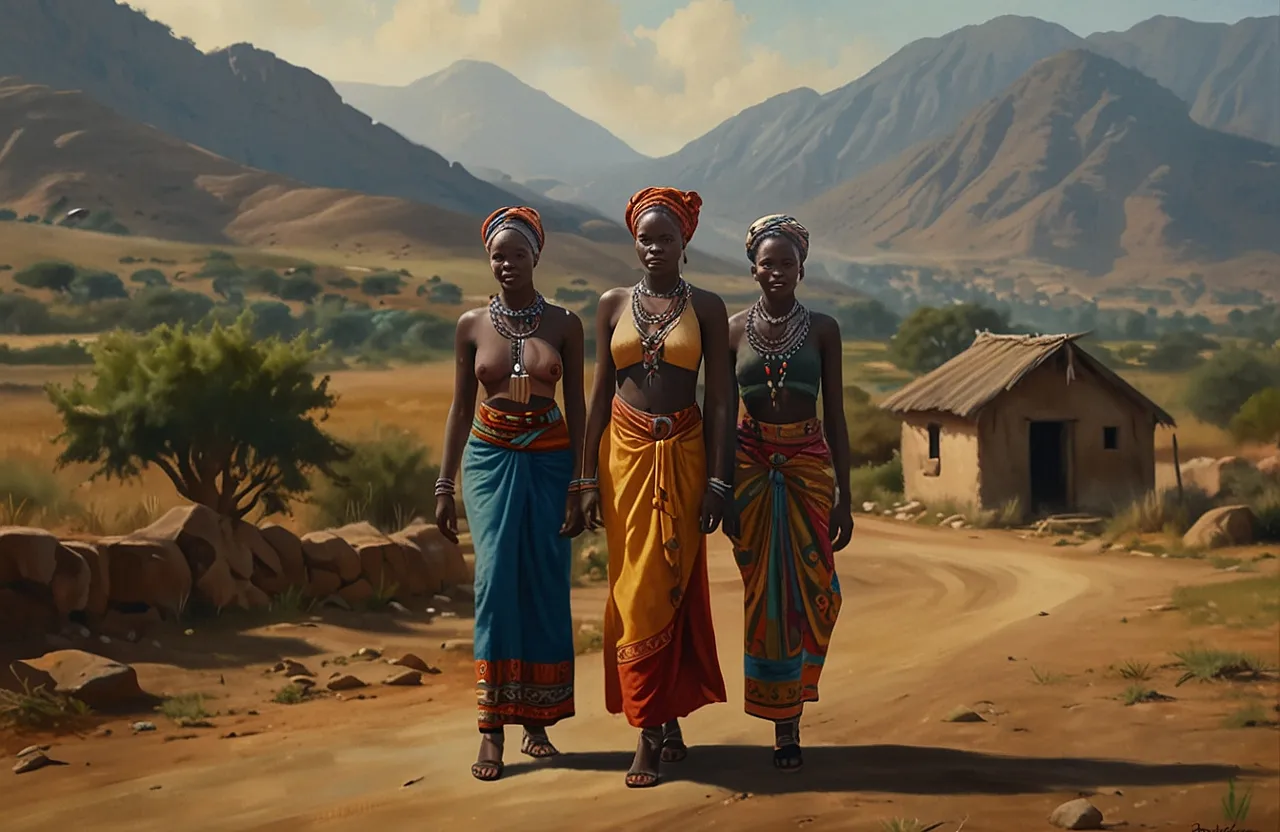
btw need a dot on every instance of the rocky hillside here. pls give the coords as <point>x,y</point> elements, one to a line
<point>1229,75</point>
<point>239,102</point>
<point>191,557</point>
<point>468,110</point>
<point>1082,162</point>
<point>795,146</point>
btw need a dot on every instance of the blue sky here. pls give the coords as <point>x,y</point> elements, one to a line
<point>698,61</point>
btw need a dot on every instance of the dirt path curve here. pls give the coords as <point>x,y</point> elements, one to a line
<point>916,598</point>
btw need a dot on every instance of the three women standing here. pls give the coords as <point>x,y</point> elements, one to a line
<point>519,454</point>
<point>792,490</point>
<point>645,437</point>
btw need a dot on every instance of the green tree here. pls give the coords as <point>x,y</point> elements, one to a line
<point>930,337</point>
<point>382,283</point>
<point>1259,418</point>
<point>445,293</point>
<point>1218,388</point>
<point>51,274</point>
<point>152,307</point>
<point>1176,351</point>
<point>234,422</point>
<point>866,318</point>
<point>91,286</point>
<point>300,286</point>
<point>149,277</point>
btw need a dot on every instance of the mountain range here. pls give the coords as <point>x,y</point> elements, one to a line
<point>1081,162</point>
<point>1011,138</point>
<point>483,116</point>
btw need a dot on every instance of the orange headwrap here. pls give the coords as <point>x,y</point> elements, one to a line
<point>520,218</point>
<point>682,205</point>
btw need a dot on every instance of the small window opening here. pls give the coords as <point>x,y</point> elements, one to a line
<point>1110,438</point>
<point>935,441</point>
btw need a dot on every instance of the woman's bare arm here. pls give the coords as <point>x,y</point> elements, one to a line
<point>575,406</point>
<point>719,401</point>
<point>837,429</point>
<point>461,412</point>
<point>604,384</point>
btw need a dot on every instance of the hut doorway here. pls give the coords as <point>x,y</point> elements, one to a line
<point>1049,467</point>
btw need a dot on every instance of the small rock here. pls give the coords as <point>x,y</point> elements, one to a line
<point>1140,554</point>
<point>431,610</point>
<point>404,678</point>
<point>412,661</point>
<point>442,599</point>
<point>958,524</point>
<point>104,639</point>
<point>448,614</point>
<point>1076,814</point>
<point>870,508</point>
<point>32,749</point>
<point>415,781</point>
<point>952,519</point>
<point>251,712</point>
<point>963,714</point>
<point>188,632</point>
<point>396,606</point>
<point>83,632</point>
<point>156,644</point>
<point>1162,608</point>
<point>35,762</point>
<point>140,727</point>
<point>458,645</point>
<point>368,653</point>
<point>303,682</point>
<point>291,668</point>
<point>344,682</point>
<point>1042,613</point>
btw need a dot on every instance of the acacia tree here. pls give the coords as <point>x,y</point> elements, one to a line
<point>1259,418</point>
<point>233,422</point>
<point>931,337</point>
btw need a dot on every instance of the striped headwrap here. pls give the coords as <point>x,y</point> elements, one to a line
<point>683,206</point>
<point>777,225</point>
<point>521,219</point>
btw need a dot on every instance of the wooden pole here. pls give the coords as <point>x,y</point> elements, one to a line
<point>1177,468</point>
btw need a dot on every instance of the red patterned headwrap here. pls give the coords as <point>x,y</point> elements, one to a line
<point>683,206</point>
<point>522,219</point>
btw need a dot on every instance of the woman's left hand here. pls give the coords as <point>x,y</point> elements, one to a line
<point>718,511</point>
<point>841,526</point>
<point>574,522</point>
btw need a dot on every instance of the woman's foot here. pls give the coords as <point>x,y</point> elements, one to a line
<point>537,744</point>
<point>488,765</point>
<point>644,771</point>
<point>786,746</point>
<point>673,748</point>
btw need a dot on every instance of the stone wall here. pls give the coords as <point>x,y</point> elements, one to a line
<point>192,557</point>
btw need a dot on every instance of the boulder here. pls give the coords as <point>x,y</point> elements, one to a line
<point>344,681</point>
<point>71,581</point>
<point>1207,473</point>
<point>27,554</point>
<point>1222,526</point>
<point>151,572</point>
<point>251,597</point>
<point>102,684</point>
<point>382,561</point>
<point>95,558</point>
<point>218,586</point>
<point>404,678</point>
<point>205,537</point>
<point>1076,814</point>
<point>444,558</point>
<point>359,592</point>
<point>412,662</point>
<point>288,547</point>
<point>417,573</point>
<point>267,570</point>
<point>323,583</point>
<point>325,550</point>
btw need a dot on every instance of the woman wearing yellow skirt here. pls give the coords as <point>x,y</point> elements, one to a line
<point>791,484</point>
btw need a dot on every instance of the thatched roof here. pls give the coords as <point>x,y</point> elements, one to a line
<point>993,365</point>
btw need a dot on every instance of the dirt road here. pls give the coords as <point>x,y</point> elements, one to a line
<point>932,619</point>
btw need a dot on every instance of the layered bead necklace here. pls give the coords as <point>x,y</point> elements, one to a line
<point>517,325</point>
<point>776,352</point>
<point>654,327</point>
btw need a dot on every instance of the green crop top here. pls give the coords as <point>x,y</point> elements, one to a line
<point>804,371</point>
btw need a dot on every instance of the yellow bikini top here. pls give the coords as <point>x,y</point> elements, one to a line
<point>683,347</point>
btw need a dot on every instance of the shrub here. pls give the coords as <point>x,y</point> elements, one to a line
<point>95,286</point>
<point>1160,511</point>
<point>21,315</point>
<point>1177,351</point>
<point>151,308</point>
<point>8,215</point>
<point>1258,419</point>
<point>445,293</point>
<point>299,287</point>
<point>388,480</point>
<point>1266,507</point>
<point>149,277</point>
<point>271,318</point>
<point>265,280</point>
<point>876,483</point>
<point>382,283</point>
<point>1219,388</point>
<point>874,434</point>
<point>70,353</point>
<point>25,482</point>
<point>53,275</point>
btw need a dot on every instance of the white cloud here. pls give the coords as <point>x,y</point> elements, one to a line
<point>655,88</point>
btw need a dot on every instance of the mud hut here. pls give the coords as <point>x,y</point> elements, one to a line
<point>1029,418</point>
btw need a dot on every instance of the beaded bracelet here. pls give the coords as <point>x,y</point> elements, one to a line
<point>445,487</point>
<point>583,484</point>
<point>722,488</point>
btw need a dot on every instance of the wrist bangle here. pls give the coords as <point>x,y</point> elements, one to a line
<point>720,487</point>
<point>445,487</point>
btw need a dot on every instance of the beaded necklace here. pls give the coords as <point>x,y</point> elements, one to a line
<point>654,327</point>
<point>517,325</point>
<point>777,351</point>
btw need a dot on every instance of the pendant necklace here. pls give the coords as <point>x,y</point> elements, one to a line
<point>517,325</point>
<point>777,352</point>
<point>654,327</point>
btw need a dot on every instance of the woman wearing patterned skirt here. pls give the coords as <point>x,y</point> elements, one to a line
<point>791,486</point>
<point>664,484</point>
<point>519,456</point>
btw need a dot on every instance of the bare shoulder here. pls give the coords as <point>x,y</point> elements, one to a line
<point>708,303</point>
<point>468,320</point>
<point>824,325</point>
<point>737,326</point>
<point>614,296</point>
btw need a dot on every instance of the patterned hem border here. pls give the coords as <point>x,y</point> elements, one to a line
<point>637,650</point>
